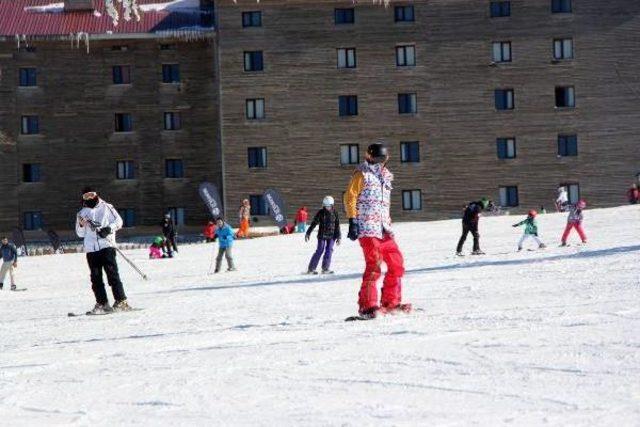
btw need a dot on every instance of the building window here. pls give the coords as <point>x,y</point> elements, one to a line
<point>509,196</point>
<point>504,99</point>
<point>257,157</point>
<point>565,97</point>
<point>124,123</point>
<point>348,105</point>
<point>573,191</point>
<point>30,172</point>
<point>349,154</point>
<point>177,215</point>
<point>172,121</point>
<point>345,16</point>
<point>410,152</point>
<point>124,169</point>
<point>173,168</point>
<point>170,73</point>
<point>407,103</point>
<point>567,145</point>
<point>501,51</point>
<point>347,58</point>
<point>404,14</point>
<point>406,56</point>
<point>506,148</point>
<point>32,220</point>
<point>252,19</point>
<point>561,6</point>
<point>562,49</point>
<point>500,8</point>
<point>412,200</point>
<point>28,77</point>
<point>255,109</point>
<point>128,217</point>
<point>29,125</point>
<point>258,205</point>
<point>121,74</point>
<point>253,61</point>
<point>120,48</point>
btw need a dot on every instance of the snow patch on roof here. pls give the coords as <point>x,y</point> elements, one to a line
<point>171,6</point>
<point>47,8</point>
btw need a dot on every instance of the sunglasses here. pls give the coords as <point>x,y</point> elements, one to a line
<point>90,195</point>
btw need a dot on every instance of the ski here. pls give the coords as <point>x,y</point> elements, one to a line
<point>88,313</point>
<point>401,309</point>
<point>19,290</point>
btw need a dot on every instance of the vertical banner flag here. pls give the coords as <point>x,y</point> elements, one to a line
<point>277,207</point>
<point>211,198</point>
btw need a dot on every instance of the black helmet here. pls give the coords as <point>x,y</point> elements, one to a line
<point>378,152</point>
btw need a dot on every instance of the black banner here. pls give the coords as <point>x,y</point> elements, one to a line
<point>55,241</point>
<point>18,240</point>
<point>277,207</point>
<point>211,198</point>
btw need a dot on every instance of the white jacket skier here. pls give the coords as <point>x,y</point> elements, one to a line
<point>562,200</point>
<point>90,221</point>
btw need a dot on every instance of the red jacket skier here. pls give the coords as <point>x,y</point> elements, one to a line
<point>209,231</point>
<point>367,201</point>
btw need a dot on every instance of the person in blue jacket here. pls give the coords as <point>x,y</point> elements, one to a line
<point>225,234</point>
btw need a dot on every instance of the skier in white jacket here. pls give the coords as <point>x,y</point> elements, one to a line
<point>562,201</point>
<point>97,222</point>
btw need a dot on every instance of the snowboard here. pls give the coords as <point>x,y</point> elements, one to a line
<point>18,290</point>
<point>403,309</point>
<point>88,313</point>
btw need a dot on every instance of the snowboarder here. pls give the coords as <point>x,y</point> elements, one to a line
<point>170,234</point>
<point>9,255</point>
<point>328,223</point>
<point>97,222</point>
<point>470,220</point>
<point>574,220</point>
<point>562,201</point>
<point>244,213</point>
<point>301,219</point>
<point>530,230</point>
<point>209,231</point>
<point>367,202</point>
<point>224,233</point>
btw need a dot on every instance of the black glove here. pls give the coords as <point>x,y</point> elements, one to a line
<point>514,225</point>
<point>353,229</point>
<point>104,232</point>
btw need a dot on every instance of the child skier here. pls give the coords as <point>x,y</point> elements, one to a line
<point>9,255</point>
<point>156,250</point>
<point>530,230</point>
<point>301,220</point>
<point>244,213</point>
<point>562,201</point>
<point>574,220</point>
<point>328,234</point>
<point>225,234</point>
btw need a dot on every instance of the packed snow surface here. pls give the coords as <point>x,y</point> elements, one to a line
<point>529,338</point>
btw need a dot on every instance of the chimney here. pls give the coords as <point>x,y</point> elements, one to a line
<point>79,5</point>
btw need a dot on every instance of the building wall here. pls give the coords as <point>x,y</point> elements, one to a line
<point>76,102</point>
<point>457,123</point>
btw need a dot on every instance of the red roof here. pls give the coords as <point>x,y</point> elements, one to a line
<point>16,18</point>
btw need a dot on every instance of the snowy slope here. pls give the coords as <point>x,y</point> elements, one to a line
<point>509,338</point>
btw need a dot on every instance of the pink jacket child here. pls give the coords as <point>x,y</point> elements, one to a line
<point>155,252</point>
<point>575,221</point>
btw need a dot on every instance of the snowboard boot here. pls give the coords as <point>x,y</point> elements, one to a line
<point>101,309</point>
<point>369,313</point>
<point>121,305</point>
<point>13,287</point>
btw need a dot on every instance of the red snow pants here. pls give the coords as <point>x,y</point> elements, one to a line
<point>376,251</point>
<point>578,228</point>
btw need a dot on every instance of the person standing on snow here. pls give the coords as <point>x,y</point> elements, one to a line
<point>367,202</point>
<point>301,220</point>
<point>562,201</point>
<point>328,234</point>
<point>224,233</point>
<point>574,220</point>
<point>170,234</point>
<point>530,230</point>
<point>97,223</point>
<point>9,255</point>
<point>209,231</point>
<point>470,220</point>
<point>244,213</point>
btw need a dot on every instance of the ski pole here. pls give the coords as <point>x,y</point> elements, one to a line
<point>211,265</point>
<point>144,276</point>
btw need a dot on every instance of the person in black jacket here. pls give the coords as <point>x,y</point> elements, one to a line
<point>170,233</point>
<point>328,224</point>
<point>470,219</point>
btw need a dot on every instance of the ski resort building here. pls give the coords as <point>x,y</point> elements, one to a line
<point>505,99</point>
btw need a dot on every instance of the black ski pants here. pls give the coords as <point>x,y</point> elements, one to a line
<point>105,259</point>
<point>466,228</point>
<point>170,242</point>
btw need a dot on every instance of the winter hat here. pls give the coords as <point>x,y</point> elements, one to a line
<point>581,204</point>
<point>328,201</point>
<point>158,240</point>
<point>533,213</point>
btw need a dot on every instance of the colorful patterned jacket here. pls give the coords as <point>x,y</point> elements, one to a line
<point>368,199</point>
<point>575,215</point>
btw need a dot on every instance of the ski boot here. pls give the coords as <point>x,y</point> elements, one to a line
<point>400,308</point>
<point>519,249</point>
<point>563,244</point>
<point>478,252</point>
<point>100,309</point>
<point>13,287</point>
<point>370,313</point>
<point>1,285</point>
<point>459,254</point>
<point>542,246</point>
<point>312,272</point>
<point>327,272</point>
<point>121,305</point>
<point>231,269</point>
